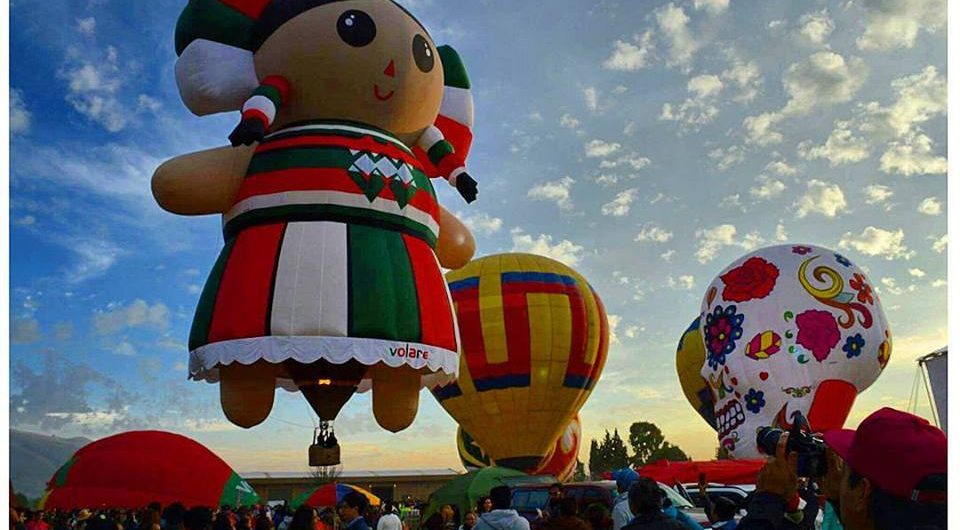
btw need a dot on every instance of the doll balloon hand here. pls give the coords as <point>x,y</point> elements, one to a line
<point>467,187</point>
<point>249,131</point>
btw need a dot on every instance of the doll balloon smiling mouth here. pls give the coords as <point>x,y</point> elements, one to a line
<point>382,97</point>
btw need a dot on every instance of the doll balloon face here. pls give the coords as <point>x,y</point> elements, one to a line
<point>789,328</point>
<point>360,60</point>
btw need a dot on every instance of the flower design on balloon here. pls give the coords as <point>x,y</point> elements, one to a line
<point>802,250</point>
<point>724,326</point>
<point>754,279</point>
<point>864,291</point>
<point>754,400</point>
<point>817,332</point>
<point>854,346</point>
<point>842,260</point>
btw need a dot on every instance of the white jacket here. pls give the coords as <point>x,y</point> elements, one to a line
<point>621,512</point>
<point>502,520</point>
<point>389,521</point>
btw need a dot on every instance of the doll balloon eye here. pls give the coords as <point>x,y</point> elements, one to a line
<point>423,54</point>
<point>356,28</point>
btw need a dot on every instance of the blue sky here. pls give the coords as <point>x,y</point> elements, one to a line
<point>646,146</point>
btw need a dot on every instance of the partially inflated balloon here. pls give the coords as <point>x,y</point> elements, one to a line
<point>332,228</point>
<point>690,357</point>
<point>560,462</point>
<point>133,469</point>
<point>534,340</point>
<point>789,328</point>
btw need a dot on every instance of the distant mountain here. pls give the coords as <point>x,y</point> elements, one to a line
<point>34,458</point>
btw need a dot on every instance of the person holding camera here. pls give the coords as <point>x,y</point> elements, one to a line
<point>891,473</point>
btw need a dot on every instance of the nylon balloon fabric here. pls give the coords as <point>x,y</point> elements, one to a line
<point>534,339</point>
<point>133,469</point>
<point>789,328</point>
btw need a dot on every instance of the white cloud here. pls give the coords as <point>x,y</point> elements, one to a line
<point>917,273</point>
<point>620,205</point>
<point>841,147</point>
<point>930,206</point>
<point>746,75</point>
<point>919,97</point>
<point>633,160</point>
<point>600,148</point>
<point>613,322</point>
<point>126,349</point>
<point>19,115</point>
<point>672,22</point>
<point>878,194</point>
<point>482,223</point>
<point>732,202</point>
<point>63,330</point>
<point>139,313</point>
<point>823,79</point>
<point>713,7</point>
<point>97,419</point>
<point>569,122</point>
<point>564,251</point>
<point>726,158</point>
<point>93,89</point>
<point>815,28</point>
<point>652,232</point>
<point>878,242</point>
<point>705,85</point>
<point>781,168</point>
<point>683,283</point>
<point>913,155</point>
<point>632,331</point>
<point>557,191</point>
<point>668,255</point>
<point>26,220</point>
<point>780,234</point>
<point>822,198</point>
<point>767,188</point>
<point>712,240</point>
<point>760,129</point>
<point>25,330</point>
<point>592,98</point>
<point>896,23</point>
<point>145,102</point>
<point>94,257</point>
<point>630,56</point>
<point>86,26</point>
<point>700,108</point>
<point>938,283</point>
<point>891,287</point>
<point>939,245</point>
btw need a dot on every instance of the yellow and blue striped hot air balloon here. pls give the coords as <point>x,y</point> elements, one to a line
<point>691,355</point>
<point>534,340</point>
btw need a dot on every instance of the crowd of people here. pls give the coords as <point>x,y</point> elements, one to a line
<point>889,474</point>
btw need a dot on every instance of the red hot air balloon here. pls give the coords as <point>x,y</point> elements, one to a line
<point>133,469</point>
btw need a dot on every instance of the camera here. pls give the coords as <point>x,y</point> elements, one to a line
<point>810,449</point>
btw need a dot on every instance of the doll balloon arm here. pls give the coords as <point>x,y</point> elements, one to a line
<point>260,110</point>
<point>455,246</point>
<point>452,165</point>
<point>201,183</point>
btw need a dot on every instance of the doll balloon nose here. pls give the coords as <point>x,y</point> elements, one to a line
<point>391,70</point>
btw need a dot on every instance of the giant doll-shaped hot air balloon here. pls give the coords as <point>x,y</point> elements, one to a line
<point>560,461</point>
<point>329,273</point>
<point>133,469</point>
<point>789,328</point>
<point>534,340</point>
<point>690,358</point>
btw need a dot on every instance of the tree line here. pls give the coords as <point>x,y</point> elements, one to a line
<point>647,445</point>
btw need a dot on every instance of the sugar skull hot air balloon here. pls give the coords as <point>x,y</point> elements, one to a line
<point>133,469</point>
<point>560,462</point>
<point>332,229</point>
<point>789,328</point>
<point>534,340</point>
<point>690,358</point>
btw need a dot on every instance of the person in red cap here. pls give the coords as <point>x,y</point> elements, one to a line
<point>891,473</point>
<point>894,473</point>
